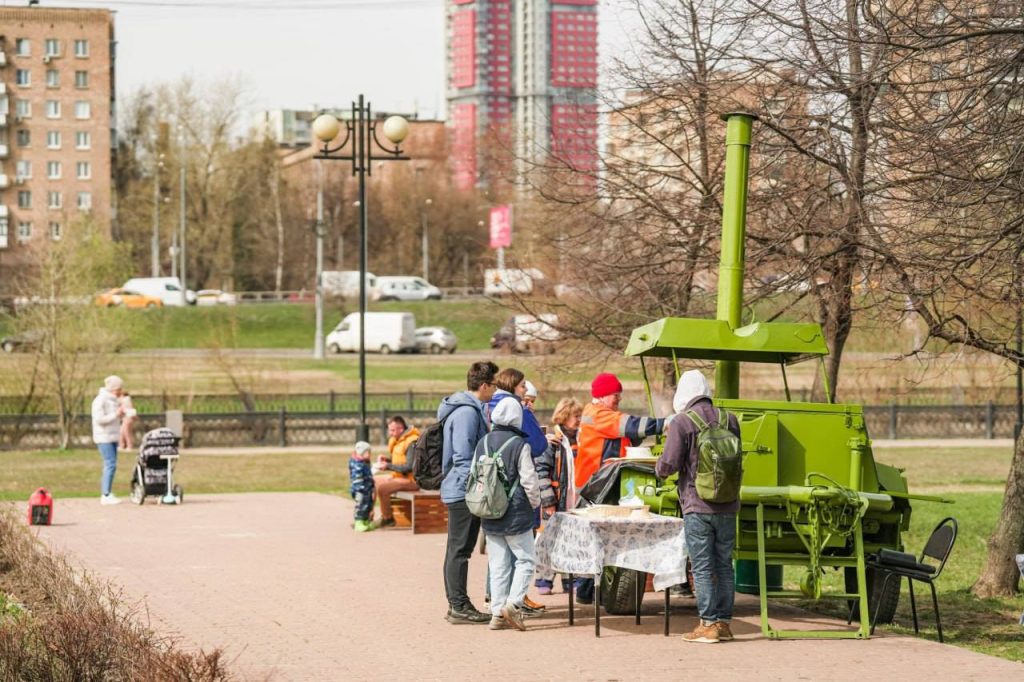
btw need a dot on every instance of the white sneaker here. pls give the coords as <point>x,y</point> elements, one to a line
<point>109,499</point>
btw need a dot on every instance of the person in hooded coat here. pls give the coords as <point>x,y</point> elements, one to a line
<point>710,527</point>
<point>511,553</point>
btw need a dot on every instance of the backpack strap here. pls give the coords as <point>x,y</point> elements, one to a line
<point>723,418</point>
<point>695,418</point>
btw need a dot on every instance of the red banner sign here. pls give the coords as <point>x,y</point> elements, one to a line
<point>501,226</point>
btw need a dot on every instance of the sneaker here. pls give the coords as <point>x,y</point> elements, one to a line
<point>530,612</point>
<point>532,605</point>
<point>365,526</point>
<point>498,623</point>
<point>387,523</point>
<point>109,499</point>
<point>513,615</point>
<point>724,632</point>
<point>467,615</point>
<point>703,634</point>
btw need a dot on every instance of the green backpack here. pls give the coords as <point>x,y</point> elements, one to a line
<point>487,489</point>
<point>719,460</point>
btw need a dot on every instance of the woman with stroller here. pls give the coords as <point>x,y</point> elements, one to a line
<point>106,432</point>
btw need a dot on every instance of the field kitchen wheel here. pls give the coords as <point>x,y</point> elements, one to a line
<point>618,590</point>
<point>890,599</point>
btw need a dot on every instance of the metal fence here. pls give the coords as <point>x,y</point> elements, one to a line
<point>284,427</point>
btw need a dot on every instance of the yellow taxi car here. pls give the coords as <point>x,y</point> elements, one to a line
<point>127,298</point>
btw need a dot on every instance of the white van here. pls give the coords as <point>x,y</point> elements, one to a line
<point>406,289</point>
<point>167,289</point>
<point>345,283</point>
<point>385,333</point>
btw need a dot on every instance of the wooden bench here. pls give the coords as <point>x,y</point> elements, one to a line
<point>422,510</point>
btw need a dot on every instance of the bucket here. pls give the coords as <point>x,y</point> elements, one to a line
<point>747,577</point>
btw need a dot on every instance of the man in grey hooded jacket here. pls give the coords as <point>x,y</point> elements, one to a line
<point>464,425</point>
<point>710,527</point>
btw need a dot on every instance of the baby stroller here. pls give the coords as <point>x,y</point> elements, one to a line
<point>154,469</point>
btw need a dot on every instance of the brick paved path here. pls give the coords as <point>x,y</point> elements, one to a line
<point>280,582</point>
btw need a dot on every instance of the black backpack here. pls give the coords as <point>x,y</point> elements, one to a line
<point>427,453</point>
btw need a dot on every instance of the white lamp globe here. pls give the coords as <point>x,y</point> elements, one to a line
<point>396,129</point>
<point>326,127</point>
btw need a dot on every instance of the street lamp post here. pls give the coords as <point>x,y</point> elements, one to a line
<point>318,342</point>
<point>182,252</point>
<point>155,246</point>
<point>365,148</point>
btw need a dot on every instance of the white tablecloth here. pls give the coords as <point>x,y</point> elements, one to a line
<point>585,545</point>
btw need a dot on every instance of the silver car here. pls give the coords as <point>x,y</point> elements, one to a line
<point>435,340</point>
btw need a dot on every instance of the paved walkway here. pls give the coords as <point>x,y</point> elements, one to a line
<point>281,583</point>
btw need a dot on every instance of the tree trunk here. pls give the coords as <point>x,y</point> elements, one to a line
<point>275,191</point>
<point>1000,575</point>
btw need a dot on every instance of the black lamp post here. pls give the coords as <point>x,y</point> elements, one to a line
<point>365,148</point>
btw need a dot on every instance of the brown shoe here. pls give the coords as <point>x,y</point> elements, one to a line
<point>703,634</point>
<point>529,603</point>
<point>724,632</point>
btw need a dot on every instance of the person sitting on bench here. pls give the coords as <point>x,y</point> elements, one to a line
<point>395,469</point>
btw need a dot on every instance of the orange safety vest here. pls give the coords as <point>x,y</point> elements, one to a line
<point>601,429</point>
<point>397,448</point>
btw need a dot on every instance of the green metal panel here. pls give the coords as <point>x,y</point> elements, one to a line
<point>687,337</point>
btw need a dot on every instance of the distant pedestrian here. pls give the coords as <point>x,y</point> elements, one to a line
<point>511,554</point>
<point>361,486</point>
<point>395,470</point>
<point>106,432</point>
<point>464,426</point>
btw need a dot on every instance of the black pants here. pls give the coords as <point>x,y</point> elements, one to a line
<point>463,529</point>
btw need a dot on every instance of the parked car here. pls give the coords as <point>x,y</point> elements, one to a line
<point>406,289</point>
<point>435,340</point>
<point>527,333</point>
<point>385,333</point>
<point>167,289</point>
<point>127,298</point>
<point>24,341</point>
<point>215,297</point>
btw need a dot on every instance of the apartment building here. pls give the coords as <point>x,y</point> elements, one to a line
<point>522,77</point>
<point>56,125</point>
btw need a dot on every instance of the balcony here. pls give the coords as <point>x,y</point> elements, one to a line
<point>3,211</point>
<point>4,151</point>
<point>4,181</point>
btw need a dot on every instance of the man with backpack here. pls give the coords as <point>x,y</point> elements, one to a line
<point>704,447</point>
<point>463,424</point>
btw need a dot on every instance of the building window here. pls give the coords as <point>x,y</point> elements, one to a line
<point>81,48</point>
<point>24,231</point>
<point>84,169</point>
<point>52,47</point>
<point>85,201</point>
<point>83,139</point>
<point>22,47</point>
<point>52,108</point>
<point>54,200</point>
<point>24,138</point>
<point>24,198</point>
<point>52,78</point>
<point>53,170</point>
<point>55,231</point>
<point>81,79</point>
<point>82,110</point>
<point>3,233</point>
<point>53,139</point>
<point>23,78</point>
<point>23,108</point>
<point>23,168</point>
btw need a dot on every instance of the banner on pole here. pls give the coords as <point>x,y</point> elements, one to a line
<point>501,226</point>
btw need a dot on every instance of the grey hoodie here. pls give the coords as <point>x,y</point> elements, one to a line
<point>463,430</point>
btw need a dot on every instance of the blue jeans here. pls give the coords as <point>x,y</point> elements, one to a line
<point>710,539</point>
<point>511,560</point>
<point>109,452</point>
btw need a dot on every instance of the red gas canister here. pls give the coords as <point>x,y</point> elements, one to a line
<point>40,508</point>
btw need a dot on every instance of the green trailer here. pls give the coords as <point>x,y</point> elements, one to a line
<point>813,496</point>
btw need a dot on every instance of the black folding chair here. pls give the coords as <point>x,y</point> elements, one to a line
<point>902,564</point>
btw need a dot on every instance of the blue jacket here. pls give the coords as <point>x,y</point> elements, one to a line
<point>531,427</point>
<point>463,430</point>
